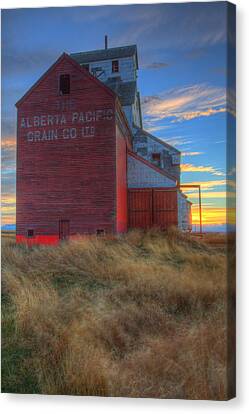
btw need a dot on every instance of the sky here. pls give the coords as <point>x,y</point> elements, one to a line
<point>186,80</point>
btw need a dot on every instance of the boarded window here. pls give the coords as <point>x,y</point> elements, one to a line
<point>115,66</point>
<point>30,233</point>
<point>64,229</point>
<point>156,156</point>
<point>64,84</point>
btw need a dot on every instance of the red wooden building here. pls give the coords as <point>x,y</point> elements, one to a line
<point>76,169</point>
<point>72,140</point>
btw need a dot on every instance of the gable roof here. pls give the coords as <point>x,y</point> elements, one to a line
<point>125,90</point>
<point>142,132</point>
<point>105,54</point>
<point>152,166</point>
<point>77,66</point>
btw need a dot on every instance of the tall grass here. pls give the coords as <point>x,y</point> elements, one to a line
<point>142,315</point>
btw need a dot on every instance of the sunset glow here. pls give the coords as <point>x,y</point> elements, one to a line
<point>182,81</point>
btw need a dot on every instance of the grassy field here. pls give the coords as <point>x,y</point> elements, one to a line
<point>142,315</point>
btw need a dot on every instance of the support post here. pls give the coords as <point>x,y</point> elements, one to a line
<point>200,211</point>
<point>200,207</point>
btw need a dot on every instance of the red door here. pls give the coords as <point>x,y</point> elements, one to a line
<point>140,208</point>
<point>152,207</point>
<point>64,229</point>
<point>165,212</point>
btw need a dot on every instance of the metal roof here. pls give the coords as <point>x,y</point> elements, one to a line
<point>126,91</point>
<point>105,54</point>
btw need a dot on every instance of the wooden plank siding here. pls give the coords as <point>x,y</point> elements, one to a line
<point>152,207</point>
<point>64,177</point>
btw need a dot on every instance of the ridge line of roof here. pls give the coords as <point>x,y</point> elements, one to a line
<point>64,55</point>
<point>102,50</point>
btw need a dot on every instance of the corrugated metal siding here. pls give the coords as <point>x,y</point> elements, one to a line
<point>184,213</point>
<point>145,144</point>
<point>127,69</point>
<point>152,207</point>
<point>141,175</point>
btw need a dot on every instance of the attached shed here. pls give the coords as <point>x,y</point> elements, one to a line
<point>153,195</point>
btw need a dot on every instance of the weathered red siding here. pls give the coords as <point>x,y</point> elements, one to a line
<point>68,178</point>
<point>140,208</point>
<point>121,182</point>
<point>152,207</point>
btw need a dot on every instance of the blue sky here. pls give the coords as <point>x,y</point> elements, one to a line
<point>182,51</point>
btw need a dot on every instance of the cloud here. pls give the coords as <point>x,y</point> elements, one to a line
<point>196,53</point>
<point>200,168</point>
<point>213,215</point>
<point>8,143</point>
<point>8,208</point>
<point>187,103</point>
<point>182,26</point>
<point>206,185</point>
<point>8,164</point>
<point>177,140</point>
<point>153,128</point>
<point>191,154</point>
<point>21,63</point>
<point>155,65</point>
<point>214,194</point>
<point>8,156</point>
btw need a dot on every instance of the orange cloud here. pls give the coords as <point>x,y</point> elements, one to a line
<point>206,185</point>
<point>200,168</point>
<point>8,208</point>
<point>213,194</point>
<point>8,198</point>
<point>196,114</point>
<point>188,103</point>
<point>8,143</point>
<point>214,215</point>
<point>8,219</point>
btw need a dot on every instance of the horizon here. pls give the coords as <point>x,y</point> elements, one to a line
<point>187,100</point>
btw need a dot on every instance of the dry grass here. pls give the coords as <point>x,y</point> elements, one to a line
<point>143,315</point>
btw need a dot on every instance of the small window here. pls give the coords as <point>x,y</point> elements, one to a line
<point>86,66</point>
<point>156,156</point>
<point>115,66</point>
<point>100,232</point>
<point>30,233</point>
<point>64,84</point>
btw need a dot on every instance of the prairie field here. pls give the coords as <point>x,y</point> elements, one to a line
<point>138,315</point>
